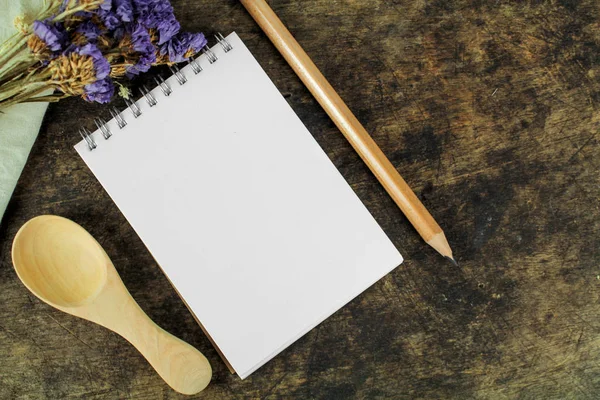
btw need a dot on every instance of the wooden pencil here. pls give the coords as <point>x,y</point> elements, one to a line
<point>352,129</point>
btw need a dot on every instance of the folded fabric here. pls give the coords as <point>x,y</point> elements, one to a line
<point>20,124</point>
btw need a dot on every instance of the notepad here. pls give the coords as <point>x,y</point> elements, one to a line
<point>244,212</point>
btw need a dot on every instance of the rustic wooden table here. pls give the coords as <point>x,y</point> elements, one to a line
<point>489,109</point>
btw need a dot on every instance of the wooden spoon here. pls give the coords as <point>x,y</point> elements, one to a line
<point>64,266</point>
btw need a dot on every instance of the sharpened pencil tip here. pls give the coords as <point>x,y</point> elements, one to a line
<point>452,260</point>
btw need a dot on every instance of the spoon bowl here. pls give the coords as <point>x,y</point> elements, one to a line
<point>59,261</point>
<point>64,266</point>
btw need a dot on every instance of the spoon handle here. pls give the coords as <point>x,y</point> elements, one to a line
<point>180,365</point>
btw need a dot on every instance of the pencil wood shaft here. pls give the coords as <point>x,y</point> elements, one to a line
<point>352,129</point>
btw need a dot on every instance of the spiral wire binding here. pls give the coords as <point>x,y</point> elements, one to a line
<point>118,117</point>
<point>223,42</point>
<point>149,96</point>
<point>102,125</point>
<point>212,57</point>
<point>164,86</point>
<point>178,75</point>
<point>135,109</point>
<point>87,136</point>
<point>196,67</point>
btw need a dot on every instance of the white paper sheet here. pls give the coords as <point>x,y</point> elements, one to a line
<point>241,208</point>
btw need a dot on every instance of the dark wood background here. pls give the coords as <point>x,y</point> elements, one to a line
<point>489,109</point>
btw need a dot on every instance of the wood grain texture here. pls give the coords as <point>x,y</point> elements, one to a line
<point>489,110</point>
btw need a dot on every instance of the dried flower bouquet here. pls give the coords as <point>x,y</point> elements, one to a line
<point>86,47</point>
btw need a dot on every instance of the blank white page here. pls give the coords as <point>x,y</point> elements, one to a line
<point>244,212</point>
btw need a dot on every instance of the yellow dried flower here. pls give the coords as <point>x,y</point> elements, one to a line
<point>153,35</point>
<point>38,48</point>
<point>125,43</point>
<point>189,53</point>
<point>103,42</point>
<point>20,24</point>
<point>71,73</point>
<point>163,59</point>
<point>73,21</point>
<point>79,39</point>
<point>117,71</point>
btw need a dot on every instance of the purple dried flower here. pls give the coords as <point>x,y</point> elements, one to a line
<point>141,43</point>
<point>167,29</point>
<point>142,6</point>
<point>100,91</point>
<point>107,5</point>
<point>109,19</point>
<point>195,41</point>
<point>138,32</point>
<point>148,11</point>
<point>180,46</point>
<point>53,35</point>
<point>157,14</point>
<point>143,65</point>
<point>90,30</point>
<point>140,39</point>
<point>84,14</point>
<point>82,71</point>
<point>124,10</point>
<point>101,65</point>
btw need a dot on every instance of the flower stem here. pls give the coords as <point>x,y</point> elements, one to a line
<point>20,45</point>
<point>82,7</point>
<point>23,97</point>
<point>14,72</point>
<point>17,84</point>
<point>51,98</point>
<point>20,86</point>
<point>17,90</point>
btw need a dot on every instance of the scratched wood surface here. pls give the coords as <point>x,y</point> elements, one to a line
<point>489,109</point>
